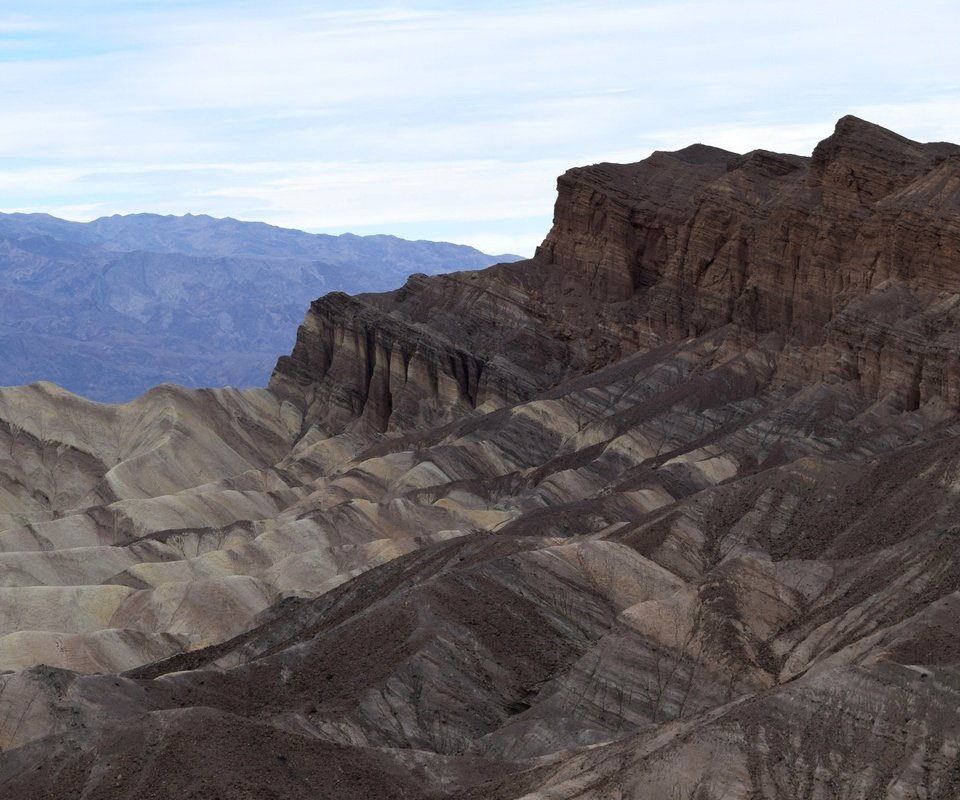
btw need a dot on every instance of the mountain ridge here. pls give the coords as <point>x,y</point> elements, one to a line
<point>118,305</point>
<point>116,232</point>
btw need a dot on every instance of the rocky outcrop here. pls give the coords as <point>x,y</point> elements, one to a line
<point>439,349</point>
<point>798,249</point>
<point>782,245</point>
<point>783,248</point>
<point>773,243</point>
<point>352,362</point>
<point>617,225</point>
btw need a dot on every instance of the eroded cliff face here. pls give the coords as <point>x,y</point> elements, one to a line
<point>617,225</point>
<point>668,511</point>
<point>441,348</point>
<point>775,243</point>
<point>846,262</point>
<point>849,258</point>
<point>354,362</point>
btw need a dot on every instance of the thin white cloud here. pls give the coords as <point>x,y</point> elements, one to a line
<point>328,115</point>
<point>20,23</point>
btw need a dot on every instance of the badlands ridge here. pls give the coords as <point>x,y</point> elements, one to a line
<point>669,511</point>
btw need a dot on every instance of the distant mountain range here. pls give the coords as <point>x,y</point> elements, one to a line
<point>112,307</point>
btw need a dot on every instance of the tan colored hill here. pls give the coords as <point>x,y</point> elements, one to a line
<point>669,511</point>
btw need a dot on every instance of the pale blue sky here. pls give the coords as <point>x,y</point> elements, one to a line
<point>432,120</point>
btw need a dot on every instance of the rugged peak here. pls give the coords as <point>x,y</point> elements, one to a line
<point>700,154</point>
<point>853,128</point>
<point>862,162</point>
<point>852,135</point>
<point>769,164</point>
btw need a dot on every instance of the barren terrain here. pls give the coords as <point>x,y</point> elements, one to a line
<point>669,511</point>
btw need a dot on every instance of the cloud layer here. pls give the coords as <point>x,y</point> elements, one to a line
<point>446,117</point>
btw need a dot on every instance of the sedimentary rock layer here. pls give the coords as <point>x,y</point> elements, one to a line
<point>669,511</point>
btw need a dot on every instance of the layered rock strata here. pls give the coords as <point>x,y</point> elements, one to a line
<point>801,251</point>
<point>669,511</point>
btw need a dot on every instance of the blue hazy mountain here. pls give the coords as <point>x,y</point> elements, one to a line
<point>112,307</point>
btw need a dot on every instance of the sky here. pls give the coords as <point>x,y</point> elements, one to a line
<point>432,120</point>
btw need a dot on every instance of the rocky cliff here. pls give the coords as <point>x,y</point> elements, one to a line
<point>845,264</point>
<point>804,250</point>
<point>668,511</point>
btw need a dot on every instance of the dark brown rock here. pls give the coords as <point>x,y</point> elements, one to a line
<point>675,246</point>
